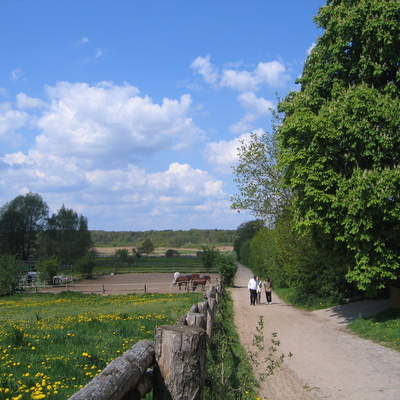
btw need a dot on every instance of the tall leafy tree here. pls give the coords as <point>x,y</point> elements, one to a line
<point>340,137</point>
<point>21,220</point>
<point>258,178</point>
<point>67,235</point>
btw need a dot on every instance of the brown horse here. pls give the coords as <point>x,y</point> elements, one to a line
<point>201,282</point>
<point>183,280</point>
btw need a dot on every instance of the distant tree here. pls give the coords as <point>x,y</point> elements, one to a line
<point>146,246</point>
<point>244,232</point>
<point>171,253</point>
<point>67,235</point>
<point>85,265</point>
<point>121,259</point>
<point>227,268</point>
<point>209,257</point>
<point>21,220</point>
<point>48,268</point>
<point>10,272</point>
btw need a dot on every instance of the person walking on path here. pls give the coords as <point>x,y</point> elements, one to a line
<point>268,290</point>
<point>252,286</point>
<point>259,290</point>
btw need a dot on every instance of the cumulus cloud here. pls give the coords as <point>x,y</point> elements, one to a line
<point>108,120</point>
<point>223,155</point>
<point>10,121</point>
<point>256,107</point>
<point>272,74</point>
<point>24,101</point>
<point>203,66</point>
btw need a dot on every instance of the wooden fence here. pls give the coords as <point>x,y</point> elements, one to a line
<point>173,366</point>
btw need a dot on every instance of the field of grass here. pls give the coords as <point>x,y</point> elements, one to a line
<point>52,345</point>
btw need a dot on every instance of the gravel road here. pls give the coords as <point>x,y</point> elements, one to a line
<point>328,361</point>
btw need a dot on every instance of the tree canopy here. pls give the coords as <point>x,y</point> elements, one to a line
<point>21,220</point>
<point>340,137</point>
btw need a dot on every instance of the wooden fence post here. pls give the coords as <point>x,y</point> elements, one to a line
<point>180,352</point>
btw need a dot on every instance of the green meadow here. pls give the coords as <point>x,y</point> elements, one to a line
<point>52,345</point>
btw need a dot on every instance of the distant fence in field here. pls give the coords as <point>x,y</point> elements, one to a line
<point>173,366</point>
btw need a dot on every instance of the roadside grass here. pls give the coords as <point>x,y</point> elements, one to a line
<point>52,345</point>
<point>229,373</point>
<point>382,328</point>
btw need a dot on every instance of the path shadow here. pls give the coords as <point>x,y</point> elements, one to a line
<point>348,313</point>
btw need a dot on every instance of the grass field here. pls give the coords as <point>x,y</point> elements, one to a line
<point>52,345</point>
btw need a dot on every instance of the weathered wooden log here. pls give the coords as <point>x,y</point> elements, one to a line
<point>196,319</point>
<point>212,305</point>
<point>121,375</point>
<point>179,372</point>
<point>144,386</point>
<point>194,308</point>
<point>202,307</point>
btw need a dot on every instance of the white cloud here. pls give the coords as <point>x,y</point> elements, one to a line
<point>272,74</point>
<point>10,121</point>
<point>223,155</point>
<point>107,120</point>
<point>203,66</point>
<point>256,106</point>
<point>24,101</point>
<point>16,74</point>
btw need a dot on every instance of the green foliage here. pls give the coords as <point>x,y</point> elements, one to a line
<point>21,220</point>
<point>208,257</point>
<point>10,272</point>
<point>170,253</point>
<point>193,238</point>
<point>227,268</point>
<point>67,236</point>
<point>121,259</point>
<point>259,179</point>
<point>339,139</point>
<point>244,232</point>
<point>146,246</point>
<point>48,268</point>
<point>85,265</point>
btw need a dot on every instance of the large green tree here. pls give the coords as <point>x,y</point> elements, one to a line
<point>21,220</point>
<point>67,235</point>
<point>340,138</point>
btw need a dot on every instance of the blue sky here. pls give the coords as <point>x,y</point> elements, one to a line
<point>130,112</point>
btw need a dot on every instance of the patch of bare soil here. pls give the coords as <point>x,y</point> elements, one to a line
<point>328,361</point>
<point>128,283</point>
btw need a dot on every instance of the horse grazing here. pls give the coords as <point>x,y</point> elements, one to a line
<point>201,282</point>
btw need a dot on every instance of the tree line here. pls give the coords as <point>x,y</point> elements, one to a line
<point>165,238</point>
<point>325,183</point>
<point>29,234</point>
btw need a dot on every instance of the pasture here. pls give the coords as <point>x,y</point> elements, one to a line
<point>53,344</point>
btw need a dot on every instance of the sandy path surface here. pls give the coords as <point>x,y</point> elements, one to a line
<point>328,361</point>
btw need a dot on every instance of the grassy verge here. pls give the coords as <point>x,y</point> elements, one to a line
<point>383,328</point>
<point>52,345</point>
<point>228,370</point>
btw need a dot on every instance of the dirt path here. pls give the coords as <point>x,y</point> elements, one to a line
<point>328,362</point>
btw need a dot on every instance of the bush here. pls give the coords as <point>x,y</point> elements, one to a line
<point>48,268</point>
<point>85,265</point>
<point>10,271</point>
<point>227,268</point>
